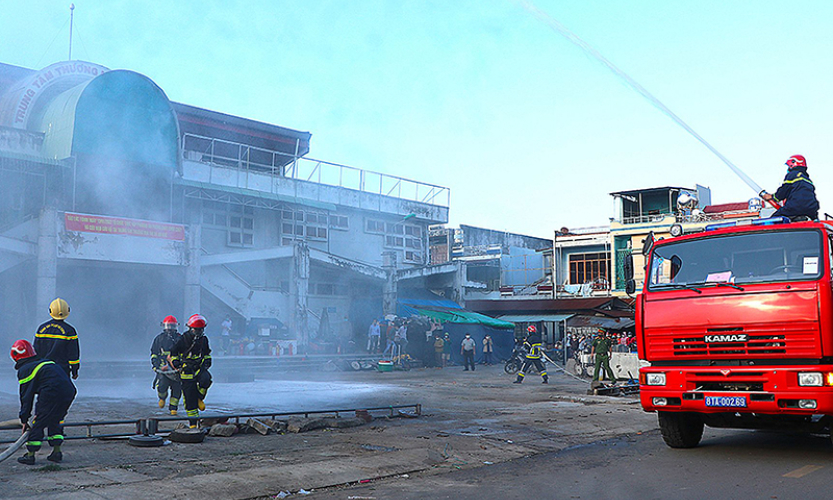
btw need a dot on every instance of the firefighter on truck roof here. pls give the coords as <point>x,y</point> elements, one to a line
<point>192,357</point>
<point>57,340</point>
<point>797,193</point>
<point>166,376</point>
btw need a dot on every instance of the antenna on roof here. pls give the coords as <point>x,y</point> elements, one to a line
<point>71,9</point>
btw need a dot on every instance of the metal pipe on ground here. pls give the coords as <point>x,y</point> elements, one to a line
<point>151,425</point>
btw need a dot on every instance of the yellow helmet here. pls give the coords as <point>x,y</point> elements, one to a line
<point>59,309</point>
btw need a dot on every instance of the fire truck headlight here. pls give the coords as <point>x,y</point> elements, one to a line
<point>655,379</point>
<point>807,404</point>
<point>810,379</point>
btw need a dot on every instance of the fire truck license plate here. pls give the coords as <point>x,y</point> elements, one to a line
<point>726,401</point>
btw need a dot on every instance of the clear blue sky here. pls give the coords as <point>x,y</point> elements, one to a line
<point>528,132</point>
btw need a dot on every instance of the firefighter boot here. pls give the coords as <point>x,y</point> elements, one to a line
<point>519,380</point>
<point>27,459</point>
<point>546,380</point>
<point>55,456</point>
<point>201,404</point>
<point>173,412</point>
<point>161,403</point>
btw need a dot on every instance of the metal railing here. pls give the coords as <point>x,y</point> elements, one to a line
<point>151,425</point>
<point>247,160</point>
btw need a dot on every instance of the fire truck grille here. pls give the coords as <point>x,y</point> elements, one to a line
<point>755,344</point>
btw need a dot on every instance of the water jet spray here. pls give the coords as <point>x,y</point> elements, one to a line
<point>635,86</point>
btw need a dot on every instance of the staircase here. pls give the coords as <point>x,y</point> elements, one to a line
<point>248,301</point>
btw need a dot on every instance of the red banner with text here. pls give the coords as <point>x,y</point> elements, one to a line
<point>125,227</point>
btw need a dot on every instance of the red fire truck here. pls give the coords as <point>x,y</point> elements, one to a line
<point>737,324</point>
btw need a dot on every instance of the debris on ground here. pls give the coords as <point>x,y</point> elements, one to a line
<point>223,430</point>
<point>258,426</point>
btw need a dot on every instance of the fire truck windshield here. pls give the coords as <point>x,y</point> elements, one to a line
<point>767,256</point>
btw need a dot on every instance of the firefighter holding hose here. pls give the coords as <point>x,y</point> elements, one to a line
<point>55,393</point>
<point>192,357</point>
<point>797,194</point>
<point>166,377</point>
<point>534,344</point>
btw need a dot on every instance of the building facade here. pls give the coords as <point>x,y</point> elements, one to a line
<point>132,207</point>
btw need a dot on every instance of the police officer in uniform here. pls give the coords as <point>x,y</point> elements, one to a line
<point>166,376</point>
<point>602,347</point>
<point>56,340</point>
<point>533,344</point>
<point>55,393</point>
<point>192,357</point>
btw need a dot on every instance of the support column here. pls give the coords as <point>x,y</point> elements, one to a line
<point>390,290</point>
<point>193,287</point>
<point>47,277</point>
<point>299,292</point>
<point>460,277</point>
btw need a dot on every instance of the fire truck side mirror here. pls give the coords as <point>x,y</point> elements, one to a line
<point>648,244</point>
<point>627,267</point>
<point>630,287</point>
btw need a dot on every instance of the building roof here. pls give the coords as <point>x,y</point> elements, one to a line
<point>633,192</point>
<point>229,127</point>
<point>727,207</point>
<point>609,306</point>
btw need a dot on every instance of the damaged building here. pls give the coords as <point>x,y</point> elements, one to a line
<point>132,207</point>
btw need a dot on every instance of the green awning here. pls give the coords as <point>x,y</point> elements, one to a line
<point>463,316</point>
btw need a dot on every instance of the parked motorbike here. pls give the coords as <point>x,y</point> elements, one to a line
<point>516,360</point>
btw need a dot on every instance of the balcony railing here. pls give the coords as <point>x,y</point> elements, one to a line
<point>250,159</point>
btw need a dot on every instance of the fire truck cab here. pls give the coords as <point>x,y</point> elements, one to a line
<point>737,324</point>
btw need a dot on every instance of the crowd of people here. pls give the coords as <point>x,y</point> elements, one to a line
<point>583,343</point>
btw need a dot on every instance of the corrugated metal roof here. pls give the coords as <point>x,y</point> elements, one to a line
<point>551,306</point>
<point>256,194</point>
<point>599,322</point>
<point>534,318</point>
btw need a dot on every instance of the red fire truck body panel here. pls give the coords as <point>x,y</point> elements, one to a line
<point>736,347</point>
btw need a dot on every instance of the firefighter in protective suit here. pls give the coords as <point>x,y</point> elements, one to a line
<point>57,340</point>
<point>192,357</point>
<point>533,344</point>
<point>55,393</point>
<point>797,193</point>
<point>166,376</point>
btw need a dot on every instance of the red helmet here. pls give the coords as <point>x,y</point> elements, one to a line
<point>22,349</point>
<point>169,323</point>
<point>796,161</point>
<point>531,329</point>
<point>196,321</point>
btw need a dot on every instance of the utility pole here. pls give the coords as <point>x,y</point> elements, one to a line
<point>71,9</point>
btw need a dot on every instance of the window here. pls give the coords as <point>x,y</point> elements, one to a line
<point>394,241</point>
<point>398,235</point>
<point>374,226</point>
<point>303,225</point>
<point>413,243</point>
<point>413,257</point>
<point>338,222</point>
<point>237,220</point>
<point>588,267</point>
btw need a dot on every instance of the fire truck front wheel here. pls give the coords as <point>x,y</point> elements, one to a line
<point>680,430</point>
